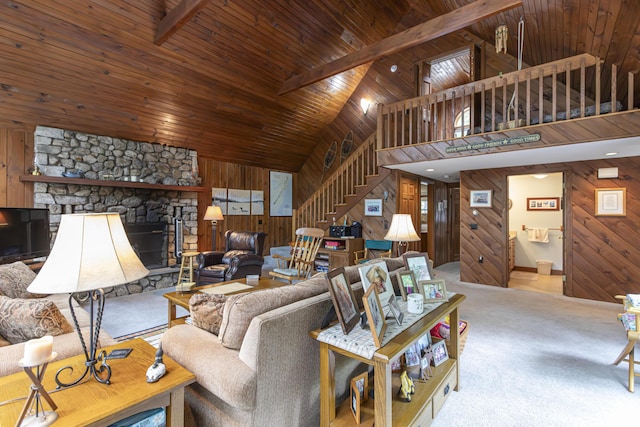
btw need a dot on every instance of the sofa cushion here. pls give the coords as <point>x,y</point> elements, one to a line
<point>25,319</point>
<point>14,279</point>
<point>206,311</point>
<point>240,309</point>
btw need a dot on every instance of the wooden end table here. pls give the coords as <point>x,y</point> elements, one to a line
<point>181,299</point>
<point>91,403</point>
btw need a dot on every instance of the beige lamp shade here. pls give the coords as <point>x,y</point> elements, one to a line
<point>401,229</point>
<point>213,213</point>
<point>91,251</point>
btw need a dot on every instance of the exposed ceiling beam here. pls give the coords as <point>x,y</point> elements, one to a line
<point>175,19</point>
<point>432,29</point>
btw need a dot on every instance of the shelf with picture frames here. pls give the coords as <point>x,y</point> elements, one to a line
<point>109,183</point>
<point>385,409</point>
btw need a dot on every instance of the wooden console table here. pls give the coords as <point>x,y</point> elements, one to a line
<point>386,409</point>
<point>91,403</point>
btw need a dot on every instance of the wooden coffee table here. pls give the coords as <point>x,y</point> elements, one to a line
<point>91,403</point>
<point>181,299</point>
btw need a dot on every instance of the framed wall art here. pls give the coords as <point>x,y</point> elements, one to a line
<point>343,299</point>
<point>219,198</point>
<point>611,201</point>
<point>543,203</point>
<point>480,198</point>
<point>238,202</point>
<point>280,193</point>
<point>373,207</point>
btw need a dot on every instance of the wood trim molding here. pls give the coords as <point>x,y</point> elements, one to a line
<point>108,183</point>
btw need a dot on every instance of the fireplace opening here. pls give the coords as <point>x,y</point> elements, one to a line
<point>150,242</point>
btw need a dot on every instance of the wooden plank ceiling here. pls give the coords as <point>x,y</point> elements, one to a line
<point>212,85</point>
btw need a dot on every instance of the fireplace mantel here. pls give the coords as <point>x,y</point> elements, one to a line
<point>109,183</point>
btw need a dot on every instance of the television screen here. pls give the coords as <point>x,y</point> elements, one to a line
<point>24,234</point>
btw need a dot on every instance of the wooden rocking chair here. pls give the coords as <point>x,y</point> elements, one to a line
<point>301,262</point>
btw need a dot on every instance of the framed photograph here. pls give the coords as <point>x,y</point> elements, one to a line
<point>433,290</point>
<point>280,193</point>
<point>376,274</point>
<point>238,202</point>
<point>407,283</point>
<point>480,198</point>
<point>373,207</point>
<point>395,309</point>
<point>611,201</point>
<point>355,402</point>
<point>219,198</point>
<point>418,263</point>
<point>439,352</point>
<point>343,299</point>
<point>375,315</point>
<point>362,385</point>
<point>543,203</point>
<point>423,343</point>
<point>412,356</point>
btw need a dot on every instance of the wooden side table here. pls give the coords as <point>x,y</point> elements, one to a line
<point>94,404</point>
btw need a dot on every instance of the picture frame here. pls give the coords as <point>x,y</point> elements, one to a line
<point>343,299</point>
<point>376,273</point>
<point>406,283</point>
<point>219,198</point>
<point>238,202</point>
<point>375,315</point>
<point>611,202</point>
<point>412,356</point>
<point>433,290</point>
<point>395,309</point>
<point>418,263</point>
<point>480,198</point>
<point>373,207</point>
<point>362,385</point>
<point>280,193</point>
<point>439,352</point>
<point>356,401</point>
<point>543,203</point>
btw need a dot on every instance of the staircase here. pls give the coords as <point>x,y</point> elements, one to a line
<point>339,193</point>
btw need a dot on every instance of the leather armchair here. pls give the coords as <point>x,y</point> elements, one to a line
<point>242,256</point>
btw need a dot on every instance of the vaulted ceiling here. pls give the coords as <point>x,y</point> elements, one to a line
<point>213,85</point>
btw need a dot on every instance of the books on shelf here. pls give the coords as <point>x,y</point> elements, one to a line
<point>334,244</point>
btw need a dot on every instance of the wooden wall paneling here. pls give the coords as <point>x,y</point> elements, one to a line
<point>4,161</point>
<point>439,231</point>
<point>601,255</point>
<point>16,158</point>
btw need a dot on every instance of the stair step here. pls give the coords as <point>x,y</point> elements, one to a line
<point>372,176</point>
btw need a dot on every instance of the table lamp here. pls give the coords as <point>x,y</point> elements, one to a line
<point>91,252</point>
<point>213,214</point>
<point>401,231</point>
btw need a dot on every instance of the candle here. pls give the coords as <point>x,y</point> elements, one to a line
<point>38,351</point>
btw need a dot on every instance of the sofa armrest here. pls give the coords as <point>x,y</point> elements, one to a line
<point>217,368</point>
<point>241,260</point>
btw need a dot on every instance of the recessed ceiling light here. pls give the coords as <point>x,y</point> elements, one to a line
<point>394,68</point>
<point>540,176</point>
<point>611,153</point>
<point>445,176</point>
<point>430,170</point>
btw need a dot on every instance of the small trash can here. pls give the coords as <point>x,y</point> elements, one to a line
<point>544,266</point>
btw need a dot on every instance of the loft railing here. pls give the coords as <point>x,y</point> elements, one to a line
<point>360,166</point>
<point>527,97</point>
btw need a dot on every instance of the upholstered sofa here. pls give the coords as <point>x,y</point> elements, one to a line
<point>262,367</point>
<point>24,314</point>
<point>242,256</point>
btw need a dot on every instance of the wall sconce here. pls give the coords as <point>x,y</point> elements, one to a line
<point>364,104</point>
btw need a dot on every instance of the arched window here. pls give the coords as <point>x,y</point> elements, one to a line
<point>461,124</point>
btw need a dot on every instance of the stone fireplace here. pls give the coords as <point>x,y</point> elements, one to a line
<point>148,210</point>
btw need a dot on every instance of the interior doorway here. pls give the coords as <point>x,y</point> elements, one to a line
<point>536,232</point>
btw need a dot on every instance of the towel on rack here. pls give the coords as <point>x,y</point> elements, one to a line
<point>540,235</point>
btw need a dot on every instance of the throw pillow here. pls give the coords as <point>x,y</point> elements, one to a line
<point>206,311</point>
<point>14,279</point>
<point>25,319</point>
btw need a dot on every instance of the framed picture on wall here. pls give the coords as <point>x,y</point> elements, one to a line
<point>611,201</point>
<point>373,207</point>
<point>480,198</point>
<point>543,203</point>
<point>280,193</point>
